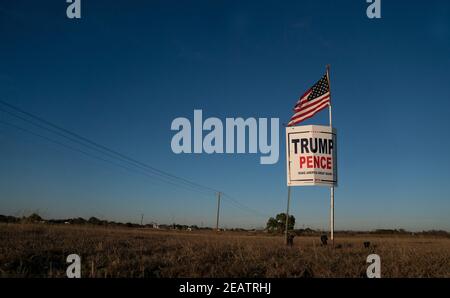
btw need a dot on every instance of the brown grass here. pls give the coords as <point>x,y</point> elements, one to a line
<point>28,250</point>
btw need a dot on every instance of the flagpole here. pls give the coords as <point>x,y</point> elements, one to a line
<point>332,187</point>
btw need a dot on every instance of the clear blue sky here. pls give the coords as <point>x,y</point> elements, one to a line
<point>122,73</point>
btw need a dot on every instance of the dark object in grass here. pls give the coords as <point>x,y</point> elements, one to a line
<point>366,244</point>
<point>290,239</point>
<point>324,240</point>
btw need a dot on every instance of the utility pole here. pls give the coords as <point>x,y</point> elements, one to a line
<point>142,219</point>
<point>218,210</point>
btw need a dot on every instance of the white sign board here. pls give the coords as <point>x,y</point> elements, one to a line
<point>311,155</point>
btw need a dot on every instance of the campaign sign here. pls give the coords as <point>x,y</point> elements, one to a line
<point>311,155</point>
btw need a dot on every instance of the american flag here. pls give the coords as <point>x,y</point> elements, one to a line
<point>314,100</point>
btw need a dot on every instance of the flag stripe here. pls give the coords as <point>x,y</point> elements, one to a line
<point>310,108</point>
<point>293,122</point>
<point>311,103</point>
<point>315,109</point>
<point>307,117</point>
<point>304,97</point>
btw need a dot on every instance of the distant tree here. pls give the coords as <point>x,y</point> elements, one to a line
<point>94,221</point>
<point>34,218</point>
<point>272,225</point>
<point>77,221</point>
<point>278,224</point>
<point>8,219</point>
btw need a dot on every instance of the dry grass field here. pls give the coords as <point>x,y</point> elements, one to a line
<point>33,250</point>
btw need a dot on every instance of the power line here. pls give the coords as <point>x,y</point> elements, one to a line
<point>190,185</point>
<point>95,156</point>
<point>92,145</point>
<point>242,206</point>
<point>97,145</point>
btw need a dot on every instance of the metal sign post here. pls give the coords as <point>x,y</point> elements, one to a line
<point>287,214</point>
